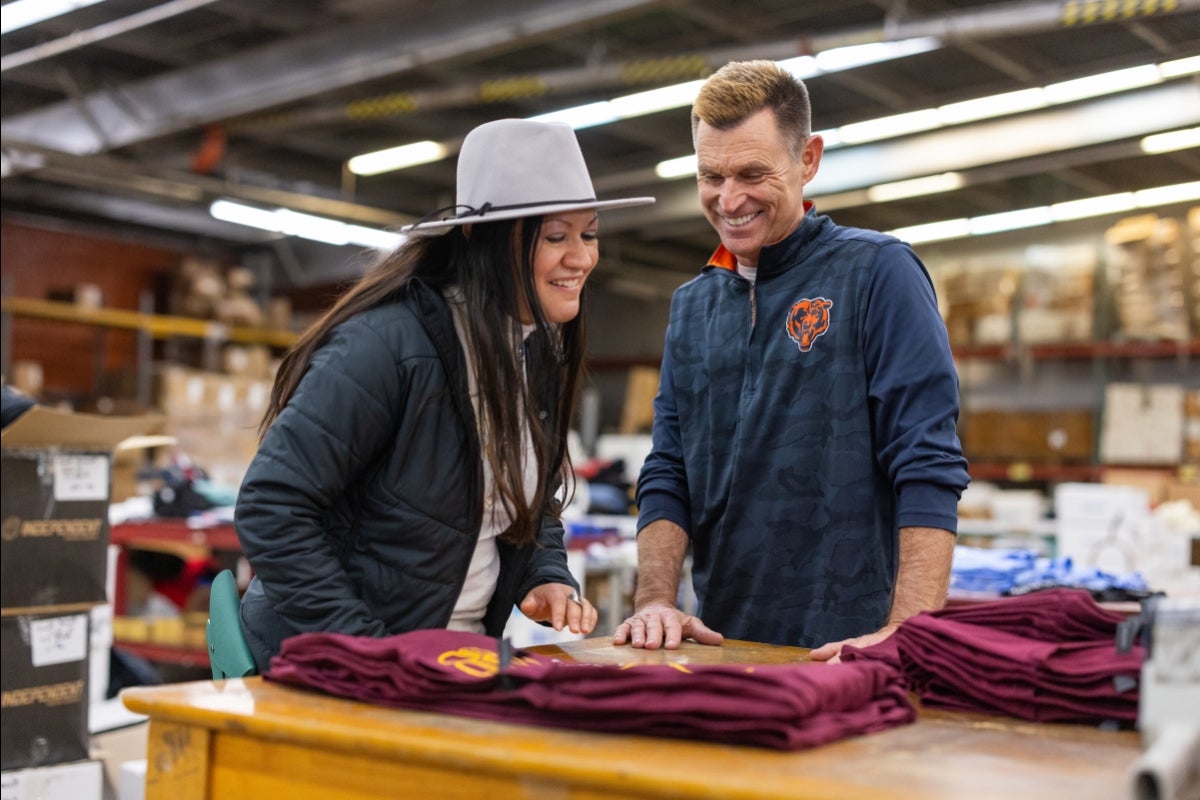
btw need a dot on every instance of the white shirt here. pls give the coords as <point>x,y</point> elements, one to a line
<point>484,570</point>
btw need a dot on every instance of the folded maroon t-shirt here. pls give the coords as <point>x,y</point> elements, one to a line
<point>784,706</point>
<point>1047,656</point>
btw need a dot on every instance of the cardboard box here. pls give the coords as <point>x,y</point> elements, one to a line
<point>116,748</point>
<point>1153,480</point>
<point>637,415</point>
<point>44,717</point>
<point>77,781</point>
<point>1035,436</point>
<point>1143,424</point>
<point>56,481</point>
<point>1100,525</point>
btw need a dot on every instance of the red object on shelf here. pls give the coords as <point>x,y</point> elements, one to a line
<point>217,537</point>
<point>127,535</point>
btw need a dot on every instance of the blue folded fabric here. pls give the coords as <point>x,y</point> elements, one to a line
<point>1000,570</point>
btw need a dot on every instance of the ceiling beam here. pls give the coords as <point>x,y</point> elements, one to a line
<point>295,70</point>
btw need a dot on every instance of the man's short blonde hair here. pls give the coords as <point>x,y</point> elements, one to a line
<point>740,89</point>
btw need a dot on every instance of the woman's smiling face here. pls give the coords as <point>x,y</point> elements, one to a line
<point>567,251</point>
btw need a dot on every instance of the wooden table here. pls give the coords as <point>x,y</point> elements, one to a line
<point>254,740</point>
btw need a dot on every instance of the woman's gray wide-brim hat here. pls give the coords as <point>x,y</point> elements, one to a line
<point>512,168</point>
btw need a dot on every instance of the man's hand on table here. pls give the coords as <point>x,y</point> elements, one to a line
<point>832,652</point>
<point>660,625</point>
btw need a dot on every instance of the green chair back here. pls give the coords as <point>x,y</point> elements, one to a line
<point>228,654</point>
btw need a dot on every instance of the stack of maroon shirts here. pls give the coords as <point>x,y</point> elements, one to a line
<point>1048,656</point>
<point>783,706</point>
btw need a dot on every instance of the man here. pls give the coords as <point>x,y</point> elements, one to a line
<point>804,439</point>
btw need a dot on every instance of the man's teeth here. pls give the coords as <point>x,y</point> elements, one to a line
<point>735,221</point>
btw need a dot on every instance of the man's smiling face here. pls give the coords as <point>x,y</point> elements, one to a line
<point>751,185</point>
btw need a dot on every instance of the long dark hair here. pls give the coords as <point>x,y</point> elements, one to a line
<point>493,268</point>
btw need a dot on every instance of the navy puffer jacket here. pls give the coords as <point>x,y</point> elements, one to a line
<point>360,512</point>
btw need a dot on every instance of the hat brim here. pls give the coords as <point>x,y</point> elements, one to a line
<point>529,211</point>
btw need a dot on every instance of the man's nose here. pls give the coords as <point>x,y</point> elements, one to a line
<point>730,196</point>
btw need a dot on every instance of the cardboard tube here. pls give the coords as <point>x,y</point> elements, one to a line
<point>1170,768</point>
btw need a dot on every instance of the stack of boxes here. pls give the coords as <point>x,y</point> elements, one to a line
<point>1149,277</point>
<point>214,418</point>
<point>56,481</point>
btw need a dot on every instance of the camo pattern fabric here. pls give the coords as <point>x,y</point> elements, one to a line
<point>800,422</point>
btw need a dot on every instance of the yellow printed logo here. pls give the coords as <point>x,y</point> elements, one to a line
<point>474,661</point>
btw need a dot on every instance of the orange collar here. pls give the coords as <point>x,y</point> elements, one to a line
<point>723,258</point>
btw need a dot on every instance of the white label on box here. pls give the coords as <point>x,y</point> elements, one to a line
<point>79,780</point>
<point>58,640</point>
<point>10,785</point>
<point>81,477</point>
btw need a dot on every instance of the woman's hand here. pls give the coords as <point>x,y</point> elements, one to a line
<point>562,606</point>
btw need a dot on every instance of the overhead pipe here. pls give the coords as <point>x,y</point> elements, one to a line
<point>108,30</point>
<point>293,70</point>
<point>974,24</point>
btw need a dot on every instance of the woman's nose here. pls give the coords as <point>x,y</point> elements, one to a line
<point>579,255</point>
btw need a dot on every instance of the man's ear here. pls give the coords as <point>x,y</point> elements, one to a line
<point>810,158</point>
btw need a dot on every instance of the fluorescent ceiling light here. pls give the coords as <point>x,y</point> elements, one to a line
<point>802,67</point>
<point>307,226</point>
<point>934,231</point>
<point>1042,215</point>
<point>585,116</point>
<point>406,155</point>
<point>676,167</point>
<point>655,100</point>
<point>1171,140</point>
<point>1105,83</point>
<point>1093,206</point>
<point>996,105</point>
<point>873,130</point>
<point>930,184</point>
<point>1011,220</point>
<point>1180,67</point>
<point>310,226</point>
<point>1167,195</point>
<point>860,55</point>
<point>22,13</point>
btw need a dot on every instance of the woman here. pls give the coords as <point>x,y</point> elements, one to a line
<point>415,442</point>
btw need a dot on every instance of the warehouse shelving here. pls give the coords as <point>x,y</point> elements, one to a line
<point>156,326</point>
<point>148,326</point>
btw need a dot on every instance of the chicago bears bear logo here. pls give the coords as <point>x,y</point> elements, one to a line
<point>807,320</point>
